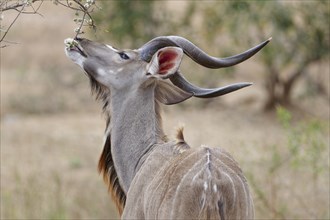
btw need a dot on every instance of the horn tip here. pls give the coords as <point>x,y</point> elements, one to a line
<point>269,39</point>
<point>249,84</point>
<point>245,84</point>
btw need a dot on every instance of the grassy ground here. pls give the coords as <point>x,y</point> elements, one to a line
<point>48,164</point>
<point>52,134</point>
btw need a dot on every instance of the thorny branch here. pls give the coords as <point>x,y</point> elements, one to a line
<point>86,7</point>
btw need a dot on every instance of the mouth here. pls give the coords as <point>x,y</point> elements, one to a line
<point>72,45</point>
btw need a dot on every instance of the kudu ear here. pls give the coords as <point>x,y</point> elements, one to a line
<point>165,62</point>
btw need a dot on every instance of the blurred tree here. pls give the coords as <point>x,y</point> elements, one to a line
<point>131,23</point>
<point>300,33</point>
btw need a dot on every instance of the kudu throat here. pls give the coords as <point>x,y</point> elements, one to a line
<point>135,128</point>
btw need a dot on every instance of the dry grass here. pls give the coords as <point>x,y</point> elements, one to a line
<point>48,166</point>
<point>52,134</point>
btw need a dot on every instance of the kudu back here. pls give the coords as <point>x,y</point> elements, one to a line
<point>149,176</point>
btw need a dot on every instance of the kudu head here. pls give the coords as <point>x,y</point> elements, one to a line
<point>151,64</point>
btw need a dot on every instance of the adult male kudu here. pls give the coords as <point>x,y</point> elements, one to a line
<point>149,176</point>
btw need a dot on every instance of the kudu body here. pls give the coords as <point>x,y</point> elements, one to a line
<point>149,176</point>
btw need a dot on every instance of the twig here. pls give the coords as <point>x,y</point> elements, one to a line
<point>35,11</point>
<point>67,5</point>
<point>81,24</point>
<point>17,5</point>
<point>84,10</point>
<point>22,6</point>
<point>12,23</point>
<point>13,6</point>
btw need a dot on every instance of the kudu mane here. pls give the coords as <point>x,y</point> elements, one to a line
<point>106,165</point>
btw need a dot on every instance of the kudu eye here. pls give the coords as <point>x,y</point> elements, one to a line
<point>124,56</point>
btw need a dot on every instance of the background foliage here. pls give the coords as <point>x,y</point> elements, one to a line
<point>300,35</point>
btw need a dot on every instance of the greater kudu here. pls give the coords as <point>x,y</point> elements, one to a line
<point>149,176</point>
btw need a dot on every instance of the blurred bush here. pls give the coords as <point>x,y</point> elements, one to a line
<point>129,23</point>
<point>291,172</point>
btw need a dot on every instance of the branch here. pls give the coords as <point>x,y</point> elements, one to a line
<point>5,7</point>
<point>86,7</point>
<point>19,7</point>
<point>12,7</point>
<point>12,23</point>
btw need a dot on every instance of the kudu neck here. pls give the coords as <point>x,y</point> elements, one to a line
<point>135,128</point>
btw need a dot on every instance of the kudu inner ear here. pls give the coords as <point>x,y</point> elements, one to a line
<point>165,62</point>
